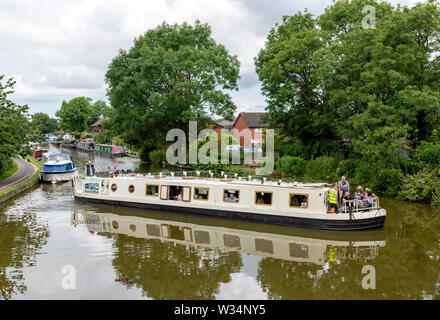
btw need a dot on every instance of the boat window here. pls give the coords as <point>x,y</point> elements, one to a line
<point>177,193</point>
<point>230,195</point>
<point>114,187</point>
<point>153,230</point>
<point>132,227</point>
<point>299,200</point>
<point>104,186</point>
<point>263,198</point>
<point>264,245</point>
<point>202,237</point>
<point>298,250</point>
<point>232,241</point>
<point>115,224</point>
<point>131,188</point>
<point>152,190</point>
<point>201,193</point>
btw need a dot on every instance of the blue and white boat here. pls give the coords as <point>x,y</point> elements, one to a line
<point>59,167</point>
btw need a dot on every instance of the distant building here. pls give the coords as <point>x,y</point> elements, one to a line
<point>254,123</point>
<point>223,124</point>
<point>97,126</point>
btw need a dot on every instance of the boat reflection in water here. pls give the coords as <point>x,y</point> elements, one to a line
<point>286,243</point>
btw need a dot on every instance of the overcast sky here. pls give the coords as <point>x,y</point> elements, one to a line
<point>58,50</point>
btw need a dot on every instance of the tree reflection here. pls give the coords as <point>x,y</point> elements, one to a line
<point>21,237</point>
<point>406,268</point>
<point>166,270</point>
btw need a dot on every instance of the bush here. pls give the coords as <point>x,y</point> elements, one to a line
<point>158,156</point>
<point>428,153</point>
<point>289,165</point>
<point>379,178</point>
<point>324,168</point>
<point>422,186</point>
<point>348,168</point>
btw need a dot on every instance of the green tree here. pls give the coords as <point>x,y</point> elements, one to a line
<point>172,74</point>
<point>14,125</point>
<point>76,114</point>
<point>42,123</point>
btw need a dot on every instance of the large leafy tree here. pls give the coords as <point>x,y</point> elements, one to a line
<point>172,74</point>
<point>79,113</point>
<point>328,78</point>
<point>42,123</point>
<point>14,125</point>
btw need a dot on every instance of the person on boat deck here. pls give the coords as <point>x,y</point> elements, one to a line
<point>368,200</point>
<point>179,196</point>
<point>231,198</point>
<point>90,169</point>
<point>343,188</point>
<point>333,197</point>
<point>359,195</point>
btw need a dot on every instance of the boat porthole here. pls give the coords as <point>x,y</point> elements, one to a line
<point>115,224</point>
<point>114,187</point>
<point>131,188</point>
<point>133,227</point>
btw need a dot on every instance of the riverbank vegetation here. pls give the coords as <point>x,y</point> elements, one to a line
<point>363,102</point>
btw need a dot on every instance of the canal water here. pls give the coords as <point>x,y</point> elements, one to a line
<point>52,247</point>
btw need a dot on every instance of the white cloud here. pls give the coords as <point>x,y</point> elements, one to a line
<point>58,50</point>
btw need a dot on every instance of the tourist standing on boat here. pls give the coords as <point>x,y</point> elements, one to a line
<point>343,189</point>
<point>333,197</point>
<point>90,169</point>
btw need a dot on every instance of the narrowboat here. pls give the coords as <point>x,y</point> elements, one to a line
<point>275,202</point>
<point>39,153</point>
<point>291,245</point>
<point>88,146</point>
<point>58,168</point>
<point>110,150</point>
<point>68,143</point>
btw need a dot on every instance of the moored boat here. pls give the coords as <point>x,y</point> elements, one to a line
<point>276,202</point>
<point>38,154</point>
<point>88,146</point>
<point>58,168</point>
<point>68,143</point>
<point>110,150</point>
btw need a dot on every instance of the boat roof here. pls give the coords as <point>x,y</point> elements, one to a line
<point>229,181</point>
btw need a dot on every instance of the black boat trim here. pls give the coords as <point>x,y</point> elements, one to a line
<point>322,224</point>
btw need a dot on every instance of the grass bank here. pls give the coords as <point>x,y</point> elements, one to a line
<point>9,172</point>
<point>31,179</point>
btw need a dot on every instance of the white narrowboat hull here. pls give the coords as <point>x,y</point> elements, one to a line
<point>314,216</point>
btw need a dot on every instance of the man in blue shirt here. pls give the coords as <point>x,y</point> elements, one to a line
<point>343,189</point>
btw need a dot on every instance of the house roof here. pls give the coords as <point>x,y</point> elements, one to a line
<point>225,123</point>
<point>254,119</point>
<point>99,121</point>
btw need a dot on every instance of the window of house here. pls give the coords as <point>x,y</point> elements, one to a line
<point>152,190</point>
<point>230,195</point>
<point>263,198</point>
<point>201,193</point>
<point>299,200</point>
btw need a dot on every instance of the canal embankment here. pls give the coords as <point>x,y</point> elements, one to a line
<point>26,177</point>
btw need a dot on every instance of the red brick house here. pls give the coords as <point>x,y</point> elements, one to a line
<point>97,126</point>
<point>250,125</point>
